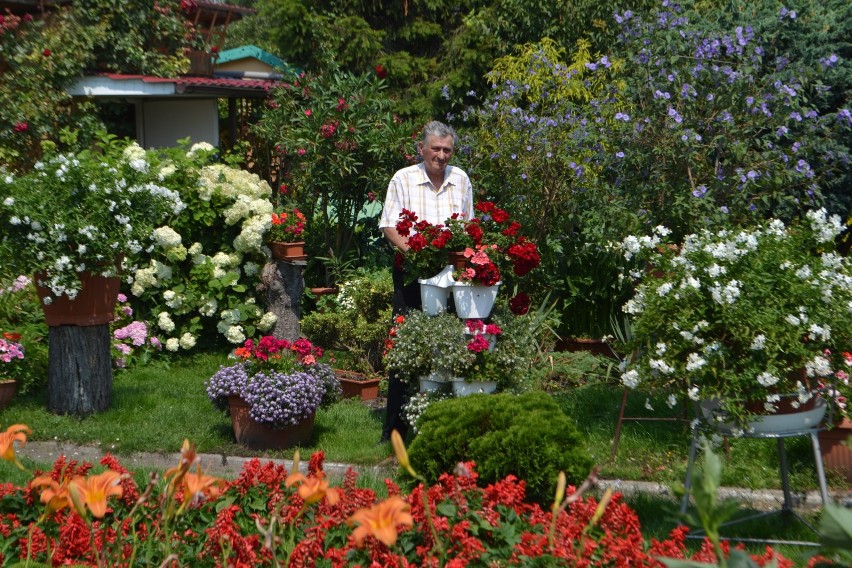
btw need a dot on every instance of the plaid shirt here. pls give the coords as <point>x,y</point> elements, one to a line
<point>411,189</point>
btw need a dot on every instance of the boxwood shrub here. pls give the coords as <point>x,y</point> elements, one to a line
<point>526,435</point>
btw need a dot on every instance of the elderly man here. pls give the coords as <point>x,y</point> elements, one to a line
<point>434,190</point>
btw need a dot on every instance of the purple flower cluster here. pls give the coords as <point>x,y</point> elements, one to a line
<point>332,392</point>
<point>225,382</point>
<point>280,400</point>
<point>136,332</point>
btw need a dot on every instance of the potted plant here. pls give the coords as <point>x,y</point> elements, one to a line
<point>484,369</point>
<point>480,250</point>
<point>115,184</point>
<point>273,391</point>
<point>285,235</point>
<point>741,317</point>
<point>427,349</point>
<point>353,326</point>
<point>836,442</point>
<point>443,350</point>
<point>11,353</point>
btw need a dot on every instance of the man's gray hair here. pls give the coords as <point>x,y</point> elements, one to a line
<point>439,130</point>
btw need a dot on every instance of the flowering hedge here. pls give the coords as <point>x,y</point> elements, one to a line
<point>268,516</point>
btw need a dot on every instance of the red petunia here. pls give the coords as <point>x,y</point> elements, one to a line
<point>381,71</point>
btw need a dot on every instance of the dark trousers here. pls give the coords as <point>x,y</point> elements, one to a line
<point>405,298</point>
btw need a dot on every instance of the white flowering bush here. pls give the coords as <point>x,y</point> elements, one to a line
<point>82,212</point>
<point>740,315</point>
<point>198,273</point>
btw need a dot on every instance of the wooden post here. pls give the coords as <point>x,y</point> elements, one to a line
<point>79,371</point>
<point>282,285</point>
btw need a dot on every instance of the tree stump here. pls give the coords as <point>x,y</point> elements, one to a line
<point>79,371</point>
<point>282,286</point>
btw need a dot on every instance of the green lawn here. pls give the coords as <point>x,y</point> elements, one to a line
<point>155,407</point>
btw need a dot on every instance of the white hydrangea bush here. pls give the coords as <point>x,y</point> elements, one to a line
<point>198,275</point>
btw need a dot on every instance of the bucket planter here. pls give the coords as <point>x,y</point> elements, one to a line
<point>462,387</point>
<point>433,298</point>
<point>473,301</point>
<point>836,455</point>
<point>289,252</point>
<point>7,392</point>
<point>252,434</point>
<point>358,385</point>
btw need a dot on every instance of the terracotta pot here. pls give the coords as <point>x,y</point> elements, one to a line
<point>594,346</point>
<point>358,385</point>
<point>323,291</point>
<point>94,305</point>
<point>252,434</point>
<point>7,392</point>
<point>288,251</point>
<point>835,455</point>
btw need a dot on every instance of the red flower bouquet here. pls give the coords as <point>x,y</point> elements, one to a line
<point>492,233</point>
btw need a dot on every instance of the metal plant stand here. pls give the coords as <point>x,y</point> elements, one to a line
<point>787,507</point>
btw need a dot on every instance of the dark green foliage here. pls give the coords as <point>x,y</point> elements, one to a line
<point>527,436</point>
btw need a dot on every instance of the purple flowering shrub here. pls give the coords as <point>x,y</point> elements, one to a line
<point>692,120</point>
<point>22,322</point>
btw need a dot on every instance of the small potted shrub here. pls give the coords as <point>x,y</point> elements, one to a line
<point>738,319</point>
<point>273,391</point>
<point>354,323</point>
<point>285,235</point>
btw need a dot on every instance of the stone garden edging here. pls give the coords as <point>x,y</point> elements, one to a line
<point>221,465</point>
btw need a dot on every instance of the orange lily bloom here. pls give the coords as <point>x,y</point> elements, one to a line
<point>188,458</point>
<point>381,521</point>
<point>56,497</point>
<point>93,492</point>
<point>313,489</point>
<point>14,433</point>
<point>197,486</point>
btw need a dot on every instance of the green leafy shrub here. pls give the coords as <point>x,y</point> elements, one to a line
<point>356,320</point>
<point>527,436</point>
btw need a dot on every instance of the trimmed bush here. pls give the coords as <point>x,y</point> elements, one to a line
<point>527,436</point>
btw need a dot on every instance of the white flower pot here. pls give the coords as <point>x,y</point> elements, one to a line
<point>433,298</point>
<point>771,424</point>
<point>465,388</point>
<point>474,302</point>
<point>432,382</point>
<point>444,279</point>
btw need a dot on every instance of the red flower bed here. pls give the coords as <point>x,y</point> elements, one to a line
<point>269,516</point>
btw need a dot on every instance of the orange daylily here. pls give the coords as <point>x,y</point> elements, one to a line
<point>381,521</point>
<point>14,433</point>
<point>93,492</point>
<point>313,489</point>
<point>56,497</point>
<point>188,458</point>
<point>197,486</point>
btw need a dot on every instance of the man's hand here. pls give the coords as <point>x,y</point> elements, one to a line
<point>398,241</point>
